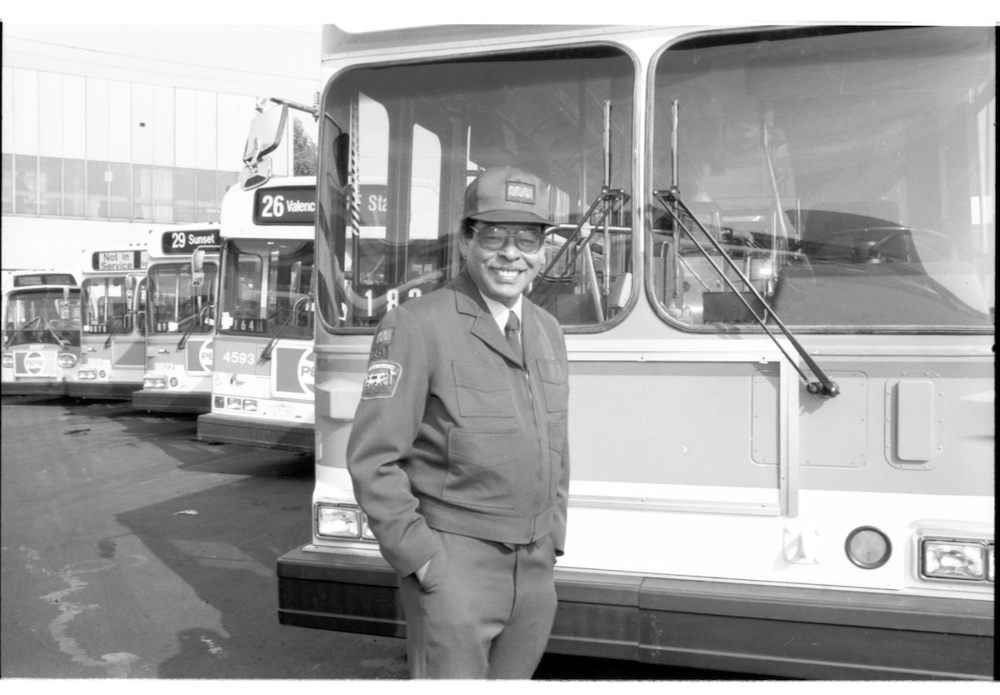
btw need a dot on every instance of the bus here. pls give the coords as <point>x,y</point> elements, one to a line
<point>181,286</point>
<point>113,316</point>
<point>262,389</point>
<point>773,255</point>
<point>41,331</point>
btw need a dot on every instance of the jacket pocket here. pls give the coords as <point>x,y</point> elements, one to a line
<point>481,468</point>
<point>483,391</point>
<point>555,382</point>
<point>557,444</point>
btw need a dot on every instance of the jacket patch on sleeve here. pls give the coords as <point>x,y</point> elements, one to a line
<point>380,346</point>
<point>381,381</point>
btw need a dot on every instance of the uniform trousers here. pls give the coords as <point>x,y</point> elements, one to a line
<point>485,611</point>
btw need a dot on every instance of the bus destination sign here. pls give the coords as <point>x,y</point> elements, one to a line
<point>187,242</point>
<point>285,205</point>
<point>46,279</point>
<point>117,260</point>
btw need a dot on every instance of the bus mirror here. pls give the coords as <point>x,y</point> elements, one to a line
<point>65,295</point>
<point>295,275</point>
<point>130,283</point>
<point>255,175</point>
<point>197,279</point>
<point>197,261</point>
<point>266,130</point>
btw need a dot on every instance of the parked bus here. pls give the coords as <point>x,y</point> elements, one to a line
<point>262,391</point>
<point>774,261</point>
<point>181,287</point>
<point>113,339</point>
<point>41,331</point>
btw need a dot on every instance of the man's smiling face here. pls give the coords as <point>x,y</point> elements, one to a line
<point>501,274</point>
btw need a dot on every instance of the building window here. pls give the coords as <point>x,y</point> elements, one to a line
<point>163,194</point>
<point>50,186</point>
<point>74,185</point>
<point>119,190</point>
<point>25,185</point>
<point>7,178</point>
<point>185,210</point>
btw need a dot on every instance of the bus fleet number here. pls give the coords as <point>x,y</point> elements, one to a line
<point>236,357</point>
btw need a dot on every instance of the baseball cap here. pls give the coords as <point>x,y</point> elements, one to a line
<point>507,194</point>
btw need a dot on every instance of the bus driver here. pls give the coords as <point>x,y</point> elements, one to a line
<point>459,451</point>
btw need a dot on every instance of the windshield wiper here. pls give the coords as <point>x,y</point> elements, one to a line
<point>670,200</point>
<point>114,328</point>
<point>296,308</point>
<point>196,320</point>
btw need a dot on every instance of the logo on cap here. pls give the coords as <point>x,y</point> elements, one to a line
<point>520,192</point>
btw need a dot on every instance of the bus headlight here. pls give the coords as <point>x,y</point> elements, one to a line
<point>342,521</point>
<point>67,360</point>
<point>8,361</point>
<point>87,374</point>
<point>338,522</point>
<point>154,382</point>
<point>990,564</point>
<point>947,558</point>
<point>249,405</point>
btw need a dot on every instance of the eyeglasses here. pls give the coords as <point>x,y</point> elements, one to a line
<point>494,238</point>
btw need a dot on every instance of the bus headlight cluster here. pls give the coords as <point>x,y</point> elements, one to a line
<point>957,559</point>
<point>8,361</point>
<point>66,360</point>
<point>87,374</point>
<point>342,521</point>
<point>154,382</point>
<point>248,405</point>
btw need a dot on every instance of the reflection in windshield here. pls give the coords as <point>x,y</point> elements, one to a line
<point>851,175</point>
<point>263,280</point>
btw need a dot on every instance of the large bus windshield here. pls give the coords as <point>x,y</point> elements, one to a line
<point>851,176</point>
<point>566,117</point>
<point>264,283</point>
<point>175,302</point>
<point>106,305</point>
<point>43,316</point>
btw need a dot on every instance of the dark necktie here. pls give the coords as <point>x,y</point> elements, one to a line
<point>513,332</point>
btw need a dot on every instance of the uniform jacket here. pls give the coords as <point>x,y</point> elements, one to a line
<point>456,433</point>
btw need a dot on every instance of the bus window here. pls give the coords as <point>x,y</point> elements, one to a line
<point>105,306</point>
<point>391,238</point>
<point>269,277</point>
<point>176,301</point>
<point>850,196</point>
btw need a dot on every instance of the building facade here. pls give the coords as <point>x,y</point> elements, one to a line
<point>101,144</point>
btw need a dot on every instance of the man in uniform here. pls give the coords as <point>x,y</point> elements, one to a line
<point>459,452</point>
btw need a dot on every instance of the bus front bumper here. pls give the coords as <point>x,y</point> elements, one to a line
<point>172,402</point>
<point>790,632</point>
<point>33,388</point>
<point>112,391</point>
<point>220,429</point>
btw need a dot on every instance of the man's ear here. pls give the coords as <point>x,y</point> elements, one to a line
<point>463,243</point>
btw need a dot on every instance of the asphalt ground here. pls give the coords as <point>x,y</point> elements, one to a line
<point>131,550</point>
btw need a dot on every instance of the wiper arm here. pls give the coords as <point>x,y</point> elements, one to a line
<point>114,328</point>
<point>32,322</point>
<point>610,196</point>
<point>196,320</point>
<point>670,199</point>
<point>296,308</point>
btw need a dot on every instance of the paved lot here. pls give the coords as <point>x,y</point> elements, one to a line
<point>131,550</point>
